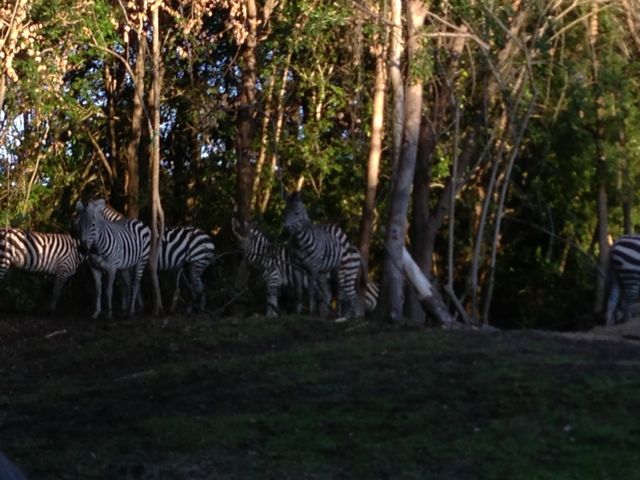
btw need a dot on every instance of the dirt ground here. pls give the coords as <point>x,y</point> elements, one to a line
<point>183,397</point>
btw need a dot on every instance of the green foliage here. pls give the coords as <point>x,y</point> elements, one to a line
<point>56,130</point>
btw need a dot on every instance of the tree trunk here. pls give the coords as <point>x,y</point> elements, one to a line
<point>428,296</point>
<point>397,84</point>
<point>393,280</point>
<point>246,119</point>
<point>601,161</point>
<point>132,183</point>
<point>375,151</point>
<point>157,214</point>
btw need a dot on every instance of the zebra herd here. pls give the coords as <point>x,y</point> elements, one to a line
<point>319,257</point>
<point>110,243</point>
<point>317,263</point>
<point>319,267</point>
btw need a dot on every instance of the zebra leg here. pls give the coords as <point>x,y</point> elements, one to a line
<point>630,295</point>
<point>125,293</point>
<point>272,301</point>
<point>97,280</point>
<point>299,292</point>
<point>324,291</point>
<point>176,292</point>
<point>612,303</point>
<point>58,283</point>
<point>197,288</point>
<point>136,287</point>
<point>311,293</point>
<point>111,276</point>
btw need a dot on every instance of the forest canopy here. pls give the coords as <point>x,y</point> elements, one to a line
<point>500,141</point>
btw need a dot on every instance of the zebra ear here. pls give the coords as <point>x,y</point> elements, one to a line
<point>235,227</point>
<point>79,206</point>
<point>100,204</point>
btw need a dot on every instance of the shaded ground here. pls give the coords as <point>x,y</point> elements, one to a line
<point>192,398</point>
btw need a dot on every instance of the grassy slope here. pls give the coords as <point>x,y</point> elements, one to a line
<point>297,398</point>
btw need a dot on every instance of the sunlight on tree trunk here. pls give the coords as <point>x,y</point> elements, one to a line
<point>375,150</point>
<point>157,214</point>
<point>396,51</point>
<point>393,277</point>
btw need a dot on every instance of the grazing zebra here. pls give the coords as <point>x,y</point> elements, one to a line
<point>274,263</point>
<point>321,249</point>
<point>186,248</point>
<point>112,247</point>
<point>181,249</point>
<point>624,275</point>
<point>51,253</point>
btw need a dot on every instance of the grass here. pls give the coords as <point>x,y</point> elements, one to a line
<point>190,398</point>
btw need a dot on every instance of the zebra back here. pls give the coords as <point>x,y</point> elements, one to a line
<point>180,246</point>
<point>52,253</point>
<point>185,246</point>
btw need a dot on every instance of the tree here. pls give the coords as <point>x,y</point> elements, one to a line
<point>157,214</point>
<point>393,279</point>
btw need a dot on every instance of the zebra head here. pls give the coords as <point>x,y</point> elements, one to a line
<point>244,232</point>
<point>85,224</point>
<point>295,214</point>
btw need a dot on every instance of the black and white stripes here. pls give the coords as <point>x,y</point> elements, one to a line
<point>50,253</point>
<point>187,250</point>
<point>323,250</point>
<point>112,247</point>
<point>624,271</point>
<point>279,273</point>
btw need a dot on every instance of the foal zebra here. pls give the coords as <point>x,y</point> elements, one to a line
<point>624,276</point>
<point>321,249</point>
<point>112,247</point>
<point>274,263</point>
<point>181,248</point>
<point>51,253</point>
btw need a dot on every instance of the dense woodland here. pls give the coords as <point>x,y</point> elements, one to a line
<point>499,141</point>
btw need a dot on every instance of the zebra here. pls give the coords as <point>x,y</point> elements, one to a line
<point>321,249</point>
<point>50,253</point>
<point>182,248</point>
<point>371,294</point>
<point>624,276</point>
<point>112,247</point>
<point>350,276</point>
<point>273,261</point>
<point>186,248</point>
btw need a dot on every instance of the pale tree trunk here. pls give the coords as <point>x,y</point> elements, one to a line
<point>132,182</point>
<point>393,278</point>
<point>426,222</point>
<point>157,214</point>
<point>111,87</point>
<point>428,296</point>
<point>375,151</point>
<point>396,51</point>
<point>279,113</point>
